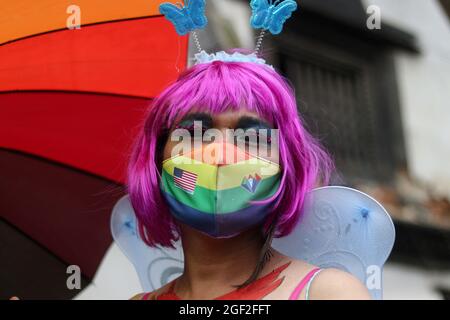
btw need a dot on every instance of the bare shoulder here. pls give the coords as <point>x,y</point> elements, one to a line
<point>152,294</point>
<point>334,284</point>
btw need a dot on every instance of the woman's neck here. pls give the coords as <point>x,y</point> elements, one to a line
<point>213,266</point>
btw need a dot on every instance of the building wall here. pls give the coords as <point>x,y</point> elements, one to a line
<point>424,84</point>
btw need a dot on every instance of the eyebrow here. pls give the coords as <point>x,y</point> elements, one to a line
<point>248,121</point>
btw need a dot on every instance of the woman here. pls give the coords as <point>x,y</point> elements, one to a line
<point>227,246</point>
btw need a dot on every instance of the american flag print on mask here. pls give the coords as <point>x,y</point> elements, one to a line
<point>184,180</point>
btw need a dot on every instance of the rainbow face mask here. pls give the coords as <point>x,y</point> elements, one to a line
<point>213,194</point>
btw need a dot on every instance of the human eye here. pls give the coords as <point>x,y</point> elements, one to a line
<point>255,128</point>
<point>192,126</point>
<point>253,135</point>
<point>196,124</point>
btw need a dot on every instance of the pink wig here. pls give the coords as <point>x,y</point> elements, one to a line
<point>217,87</point>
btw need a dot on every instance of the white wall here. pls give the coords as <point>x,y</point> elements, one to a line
<point>115,279</point>
<point>401,282</point>
<point>424,83</point>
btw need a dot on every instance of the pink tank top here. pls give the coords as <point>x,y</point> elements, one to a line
<point>307,280</point>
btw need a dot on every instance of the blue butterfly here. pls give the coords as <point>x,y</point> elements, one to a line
<point>270,15</point>
<point>185,18</point>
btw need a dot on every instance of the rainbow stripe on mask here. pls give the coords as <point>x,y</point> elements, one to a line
<point>215,197</point>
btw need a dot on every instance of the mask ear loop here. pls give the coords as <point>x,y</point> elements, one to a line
<point>264,256</point>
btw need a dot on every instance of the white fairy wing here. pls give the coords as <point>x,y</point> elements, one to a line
<point>154,266</point>
<point>340,227</point>
<point>346,229</point>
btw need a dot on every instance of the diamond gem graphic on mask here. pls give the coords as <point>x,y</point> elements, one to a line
<point>251,182</point>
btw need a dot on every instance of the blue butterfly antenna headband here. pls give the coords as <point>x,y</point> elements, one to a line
<point>267,15</point>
